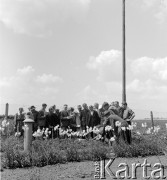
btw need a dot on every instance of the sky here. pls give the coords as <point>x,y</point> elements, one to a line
<point>70,52</point>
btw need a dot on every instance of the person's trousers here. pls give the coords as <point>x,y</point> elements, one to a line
<point>129,134</point>
<point>126,135</point>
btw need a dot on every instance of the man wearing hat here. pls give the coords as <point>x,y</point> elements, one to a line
<point>42,116</point>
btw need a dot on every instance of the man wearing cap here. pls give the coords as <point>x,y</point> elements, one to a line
<point>65,118</point>
<point>35,117</point>
<point>128,115</point>
<point>42,116</point>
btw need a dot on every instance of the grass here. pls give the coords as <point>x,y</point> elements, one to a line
<point>49,152</point>
<point>141,146</point>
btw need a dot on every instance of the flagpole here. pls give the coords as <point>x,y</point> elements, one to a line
<point>123,54</point>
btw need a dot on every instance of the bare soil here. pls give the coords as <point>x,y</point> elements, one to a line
<point>79,170</point>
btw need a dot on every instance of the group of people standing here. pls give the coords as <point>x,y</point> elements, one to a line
<point>85,116</point>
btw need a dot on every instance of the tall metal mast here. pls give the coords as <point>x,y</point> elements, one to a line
<point>123,54</point>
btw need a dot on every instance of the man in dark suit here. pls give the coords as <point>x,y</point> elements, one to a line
<point>52,120</point>
<point>42,116</point>
<point>73,124</point>
<point>57,112</point>
<point>65,118</point>
<point>94,117</point>
<point>35,117</point>
<point>84,117</point>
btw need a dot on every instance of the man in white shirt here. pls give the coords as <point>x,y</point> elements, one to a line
<point>128,114</point>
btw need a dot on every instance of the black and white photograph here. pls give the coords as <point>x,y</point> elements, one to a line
<point>83,89</point>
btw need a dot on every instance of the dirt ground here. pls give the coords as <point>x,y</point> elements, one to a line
<point>80,170</point>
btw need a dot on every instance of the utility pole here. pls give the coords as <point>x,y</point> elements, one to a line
<point>123,55</point>
<point>6,110</point>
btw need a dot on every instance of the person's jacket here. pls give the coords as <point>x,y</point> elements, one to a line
<point>85,117</point>
<point>52,120</point>
<point>63,118</point>
<point>94,119</point>
<point>41,118</point>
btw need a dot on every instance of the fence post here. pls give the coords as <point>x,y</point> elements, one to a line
<point>152,120</point>
<point>28,133</point>
<point>6,110</point>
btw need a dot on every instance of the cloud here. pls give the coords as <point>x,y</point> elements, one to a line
<point>159,8</point>
<point>150,3</point>
<point>150,68</point>
<point>25,70</point>
<point>38,17</point>
<point>25,86</point>
<point>4,82</point>
<point>108,65</point>
<point>104,91</point>
<point>146,77</point>
<point>87,94</point>
<point>149,79</point>
<point>48,78</point>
